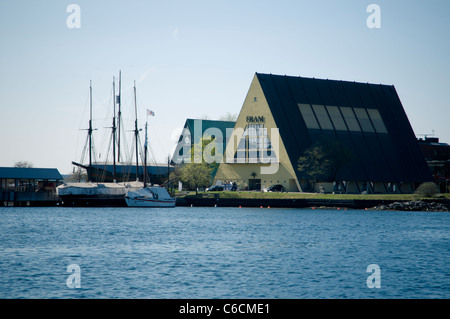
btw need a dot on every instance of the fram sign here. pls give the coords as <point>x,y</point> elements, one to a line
<point>255,119</point>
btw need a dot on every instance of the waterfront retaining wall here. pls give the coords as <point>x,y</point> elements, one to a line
<point>12,198</point>
<point>293,203</point>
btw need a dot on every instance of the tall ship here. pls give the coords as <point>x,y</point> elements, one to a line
<point>108,183</point>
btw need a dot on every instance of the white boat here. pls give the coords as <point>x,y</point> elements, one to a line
<point>153,196</point>
<point>96,194</point>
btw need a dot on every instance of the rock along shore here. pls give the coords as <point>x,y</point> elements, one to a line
<point>413,206</point>
<point>420,205</point>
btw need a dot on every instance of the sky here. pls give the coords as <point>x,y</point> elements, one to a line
<point>196,59</point>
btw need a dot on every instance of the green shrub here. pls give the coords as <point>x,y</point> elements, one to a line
<point>427,189</point>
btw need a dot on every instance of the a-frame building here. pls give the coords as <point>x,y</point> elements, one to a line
<point>282,116</point>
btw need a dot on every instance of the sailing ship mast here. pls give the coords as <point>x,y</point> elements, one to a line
<point>114,129</point>
<point>119,115</point>
<point>90,132</point>
<point>89,142</point>
<point>136,133</point>
<point>90,125</point>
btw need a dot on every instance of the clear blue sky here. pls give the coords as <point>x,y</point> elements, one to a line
<point>196,58</point>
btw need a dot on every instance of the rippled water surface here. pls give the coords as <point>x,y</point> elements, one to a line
<point>222,253</point>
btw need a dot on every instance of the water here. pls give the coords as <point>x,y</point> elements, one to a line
<point>222,253</point>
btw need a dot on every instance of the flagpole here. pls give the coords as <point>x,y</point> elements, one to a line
<point>146,146</point>
<point>145,154</point>
<point>136,133</point>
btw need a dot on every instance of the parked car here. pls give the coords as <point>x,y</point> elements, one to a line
<point>215,188</point>
<point>275,188</point>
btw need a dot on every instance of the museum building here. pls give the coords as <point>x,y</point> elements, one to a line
<point>284,116</point>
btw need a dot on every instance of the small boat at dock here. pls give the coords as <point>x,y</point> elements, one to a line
<point>153,196</point>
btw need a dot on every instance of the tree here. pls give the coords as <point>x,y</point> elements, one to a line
<point>228,117</point>
<point>428,189</point>
<point>313,164</point>
<point>23,164</point>
<point>205,151</point>
<point>196,175</point>
<point>175,175</point>
<point>78,175</point>
<point>324,160</point>
<point>337,155</point>
<point>200,171</point>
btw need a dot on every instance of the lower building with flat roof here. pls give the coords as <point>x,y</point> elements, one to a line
<point>29,179</point>
<point>23,186</point>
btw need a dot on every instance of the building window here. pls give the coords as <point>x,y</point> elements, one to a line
<point>336,118</point>
<point>254,146</point>
<point>364,120</point>
<point>308,116</point>
<point>342,118</point>
<point>241,152</point>
<point>322,117</point>
<point>350,119</point>
<point>377,121</point>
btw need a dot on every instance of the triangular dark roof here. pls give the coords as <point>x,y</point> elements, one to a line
<point>390,156</point>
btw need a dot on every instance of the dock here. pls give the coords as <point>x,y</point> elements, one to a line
<point>28,186</point>
<point>28,199</point>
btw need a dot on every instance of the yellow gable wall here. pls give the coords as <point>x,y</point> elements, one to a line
<point>255,104</point>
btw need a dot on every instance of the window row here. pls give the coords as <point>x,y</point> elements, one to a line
<point>255,130</point>
<point>254,146</point>
<point>255,156</point>
<point>254,143</point>
<point>342,118</point>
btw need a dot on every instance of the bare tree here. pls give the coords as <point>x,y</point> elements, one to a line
<point>228,117</point>
<point>78,175</point>
<point>23,164</point>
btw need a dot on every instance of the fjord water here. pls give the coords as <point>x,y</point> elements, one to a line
<point>190,252</point>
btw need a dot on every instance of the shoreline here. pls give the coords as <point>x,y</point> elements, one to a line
<point>367,204</point>
<point>376,202</point>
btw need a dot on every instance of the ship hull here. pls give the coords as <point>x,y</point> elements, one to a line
<point>131,202</point>
<point>95,194</point>
<point>149,197</point>
<point>93,201</point>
